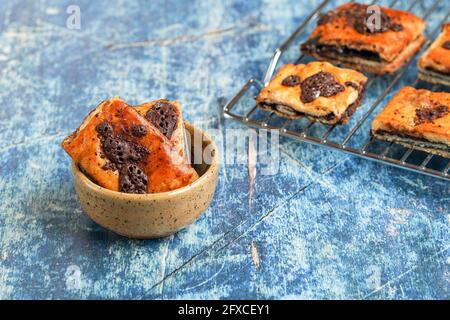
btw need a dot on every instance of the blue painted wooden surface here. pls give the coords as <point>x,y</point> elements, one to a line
<point>327,226</point>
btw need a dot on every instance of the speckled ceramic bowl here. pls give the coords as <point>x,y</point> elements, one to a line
<point>151,215</point>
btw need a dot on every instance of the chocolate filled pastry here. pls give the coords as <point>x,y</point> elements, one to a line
<point>417,119</point>
<point>122,151</point>
<point>434,65</point>
<point>317,90</point>
<point>367,38</point>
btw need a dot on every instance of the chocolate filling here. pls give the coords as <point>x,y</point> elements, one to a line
<point>164,116</point>
<point>321,84</point>
<point>139,130</point>
<point>437,72</point>
<point>399,134</point>
<point>351,84</point>
<point>291,111</point>
<point>123,155</point>
<point>291,81</point>
<point>429,114</point>
<point>332,51</point>
<point>352,108</point>
<point>363,21</point>
<point>446,45</point>
<point>401,137</point>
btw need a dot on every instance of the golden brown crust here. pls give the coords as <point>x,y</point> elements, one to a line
<point>437,58</point>
<point>83,146</point>
<point>164,167</point>
<point>401,116</point>
<point>278,94</point>
<point>393,47</point>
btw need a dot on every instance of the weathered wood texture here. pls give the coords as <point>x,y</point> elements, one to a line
<point>327,226</point>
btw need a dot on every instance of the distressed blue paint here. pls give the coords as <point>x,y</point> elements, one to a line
<point>324,227</point>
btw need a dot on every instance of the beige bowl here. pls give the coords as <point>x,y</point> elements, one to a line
<point>146,216</point>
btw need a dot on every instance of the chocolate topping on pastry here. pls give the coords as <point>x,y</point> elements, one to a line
<point>139,130</point>
<point>132,179</point>
<point>358,17</point>
<point>291,81</point>
<point>123,155</point>
<point>164,116</point>
<point>327,17</point>
<point>321,84</point>
<point>105,129</point>
<point>428,114</point>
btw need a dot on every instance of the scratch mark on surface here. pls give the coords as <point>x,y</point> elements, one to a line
<point>418,184</point>
<point>33,165</point>
<point>249,28</point>
<point>317,177</point>
<point>207,280</point>
<point>166,255</point>
<point>255,255</point>
<point>4,255</point>
<point>271,211</point>
<point>388,283</point>
<point>55,207</point>
<point>252,158</point>
<point>308,170</point>
<point>207,249</point>
<point>402,291</point>
<point>264,217</point>
<point>184,264</point>
<point>221,127</point>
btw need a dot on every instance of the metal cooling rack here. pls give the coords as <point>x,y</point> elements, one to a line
<point>353,138</point>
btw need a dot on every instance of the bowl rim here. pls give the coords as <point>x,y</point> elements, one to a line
<point>153,196</point>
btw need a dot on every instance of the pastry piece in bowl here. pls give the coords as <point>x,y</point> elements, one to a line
<point>367,38</point>
<point>167,117</point>
<point>122,151</point>
<point>317,90</point>
<point>417,119</point>
<point>434,65</point>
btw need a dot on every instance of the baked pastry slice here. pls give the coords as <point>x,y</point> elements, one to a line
<point>317,90</point>
<point>367,38</point>
<point>167,117</point>
<point>416,118</point>
<point>120,150</point>
<point>434,65</point>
